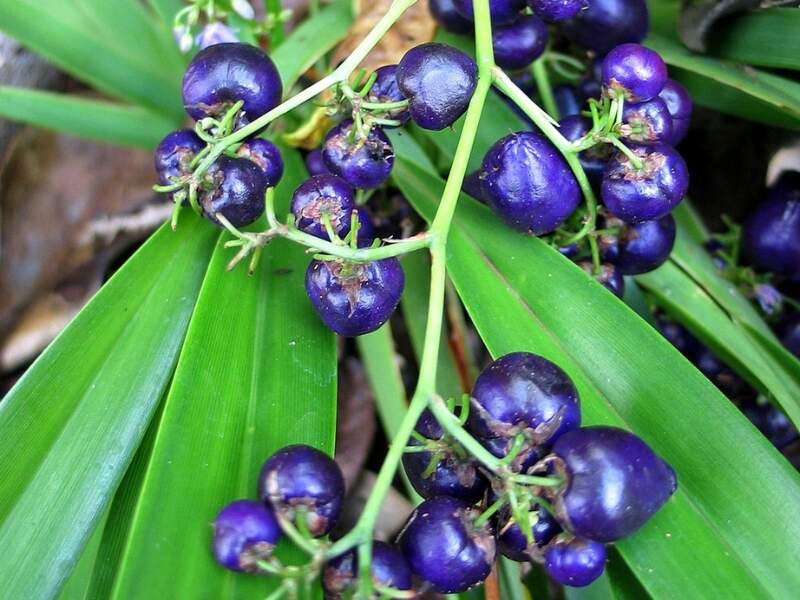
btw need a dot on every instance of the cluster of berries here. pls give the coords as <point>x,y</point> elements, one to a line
<point>589,486</point>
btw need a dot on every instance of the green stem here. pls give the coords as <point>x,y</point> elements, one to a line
<point>544,87</point>
<point>276,34</point>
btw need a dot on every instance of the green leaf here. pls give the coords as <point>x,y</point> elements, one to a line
<point>720,530</point>
<point>166,10</point>
<point>126,125</point>
<point>257,372</point>
<point>71,425</point>
<point>766,38</point>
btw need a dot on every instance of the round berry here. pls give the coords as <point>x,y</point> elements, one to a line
<point>266,155</point>
<point>638,248</point>
<point>679,104</point>
<point>174,154</point>
<point>473,186</point>
<point>609,276</point>
<point>455,474</point>
<point>608,23</point>
<point>354,298</point>
<point>593,160</point>
<point>244,533</point>
<point>614,482</point>
<point>636,195</point>
<point>315,165</point>
<point>389,570</point>
<point>574,562</point>
<point>523,393</point>
<point>513,543</point>
<point>678,336</point>
<point>789,334</point>
<point>302,482</point>
<point>635,72</point>
<point>567,100</point>
<point>445,14</point>
<point>554,11</point>
<point>528,183</point>
<point>445,548</point>
<point>438,81</point>
<point>771,236</point>
<point>519,43</point>
<point>323,195</point>
<point>647,122</point>
<point>362,161</point>
<point>223,74</point>
<point>234,188</point>
<point>366,228</point>
<point>501,12</point>
<point>385,90</point>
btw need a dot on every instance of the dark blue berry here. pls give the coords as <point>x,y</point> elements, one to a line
<point>614,482</point>
<point>519,43</point>
<point>354,299</point>
<point>315,165</point>
<point>174,154</point>
<point>528,183</point>
<point>234,188</point>
<point>473,186</point>
<point>389,570</point>
<point>609,276</point>
<point>385,89</point>
<point>554,11</point>
<point>366,228</point>
<point>302,482</point>
<point>635,72</point>
<point>501,12</point>
<point>636,195</point>
<point>771,422</point>
<point>574,561</point>
<point>438,81</point>
<point>445,14</point>
<point>679,104</point>
<point>646,122</point>
<point>771,236</point>
<point>593,160</point>
<point>321,195</point>
<point>266,155</point>
<point>513,543</point>
<point>567,100</point>
<point>638,248</point>
<point>221,75</point>
<point>677,335</point>
<point>445,548</point>
<point>608,23</point>
<point>362,161</point>
<point>244,533</point>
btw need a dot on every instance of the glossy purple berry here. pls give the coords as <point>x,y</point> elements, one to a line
<point>640,247</point>
<point>455,473</point>
<point>389,570</point>
<point>354,299</point>
<point>174,155</point>
<point>443,546</point>
<point>519,43</point>
<point>323,195</point>
<point>635,72</point>
<point>771,236</point>
<point>609,276</point>
<point>234,188</point>
<point>266,155</point>
<point>244,533</point>
<point>366,228</point>
<point>528,183</point>
<point>223,74</point>
<point>447,16</point>
<point>513,543</point>
<point>501,12</point>
<point>608,23</point>
<point>301,480</point>
<point>614,482</point>
<point>385,90</point>
<point>438,81</point>
<point>574,561</point>
<point>789,334</point>
<point>647,122</point>
<point>567,100</point>
<point>593,160</point>
<point>473,186</point>
<point>554,11</point>
<point>315,165</point>
<point>363,162</point>
<point>679,104</point>
<point>522,393</point>
<point>636,195</point>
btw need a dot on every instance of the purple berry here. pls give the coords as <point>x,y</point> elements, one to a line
<point>614,482</point>
<point>266,155</point>
<point>501,12</point>
<point>638,248</point>
<point>363,162</point>
<point>389,570</point>
<point>234,188</point>
<point>636,195</point>
<point>647,122</point>
<point>174,155</point>
<point>443,546</point>
<point>302,481</point>
<point>554,11</point>
<point>438,81</point>
<point>567,100</point>
<point>593,160</point>
<point>385,89</point>
<point>244,533</point>
<point>609,276</point>
<point>523,393</point>
<point>679,104</point>
<point>574,561</point>
<point>677,335</point>
<point>366,228</point>
<point>221,75</point>
<point>789,334</point>
<point>473,186</point>
<point>315,165</point>
<point>528,183</point>
<point>354,299</point>
<point>445,14</point>
<point>513,543</point>
<point>635,72</point>
<point>321,195</point>
<point>771,236</point>
<point>608,23</point>
<point>519,43</point>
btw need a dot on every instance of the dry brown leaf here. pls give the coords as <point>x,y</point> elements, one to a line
<point>415,27</point>
<point>355,422</point>
<point>311,133</point>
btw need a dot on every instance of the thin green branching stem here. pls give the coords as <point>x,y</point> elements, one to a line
<point>542,78</point>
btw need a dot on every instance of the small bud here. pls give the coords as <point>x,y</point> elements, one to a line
<point>215,33</point>
<point>768,298</point>
<point>243,8</point>
<point>183,38</point>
